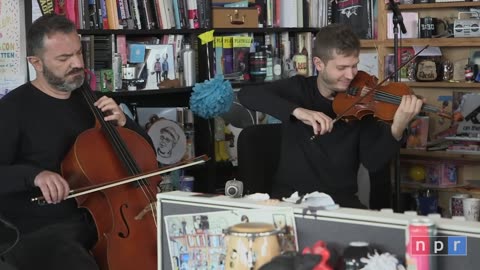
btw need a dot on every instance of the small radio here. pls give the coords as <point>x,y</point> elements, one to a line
<point>466,27</point>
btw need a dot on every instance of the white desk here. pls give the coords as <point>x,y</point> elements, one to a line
<point>385,231</point>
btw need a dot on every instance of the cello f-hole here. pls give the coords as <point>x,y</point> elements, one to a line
<point>121,234</point>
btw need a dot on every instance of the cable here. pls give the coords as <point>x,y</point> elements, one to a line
<point>17,232</point>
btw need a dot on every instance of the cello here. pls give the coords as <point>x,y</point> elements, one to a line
<point>125,241</point>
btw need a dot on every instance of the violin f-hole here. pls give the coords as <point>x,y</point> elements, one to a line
<point>121,234</point>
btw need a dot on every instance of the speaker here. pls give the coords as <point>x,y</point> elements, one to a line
<point>234,188</point>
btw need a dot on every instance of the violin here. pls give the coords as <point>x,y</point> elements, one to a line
<point>382,101</point>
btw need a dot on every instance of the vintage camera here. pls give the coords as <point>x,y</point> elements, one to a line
<point>234,188</point>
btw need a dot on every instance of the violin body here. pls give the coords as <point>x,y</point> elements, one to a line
<point>124,241</point>
<point>382,101</point>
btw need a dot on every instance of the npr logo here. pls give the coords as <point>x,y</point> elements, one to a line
<point>439,245</point>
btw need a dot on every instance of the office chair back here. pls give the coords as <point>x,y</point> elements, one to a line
<point>258,156</point>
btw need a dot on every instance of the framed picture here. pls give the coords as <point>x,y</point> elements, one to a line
<point>201,241</point>
<point>160,64</point>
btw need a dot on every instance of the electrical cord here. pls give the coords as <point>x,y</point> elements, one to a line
<point>17,237</point>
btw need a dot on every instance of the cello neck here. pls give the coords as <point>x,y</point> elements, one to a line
<point>111,133</point>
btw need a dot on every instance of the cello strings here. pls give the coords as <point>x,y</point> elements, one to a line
<point>123,152</point>
<point>120,145</point>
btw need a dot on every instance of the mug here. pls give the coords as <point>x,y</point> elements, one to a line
<point>456,204</point>
<point>430,27</point>
<point>471,209</point>
<point>186,184</point>
<point>427,202</point>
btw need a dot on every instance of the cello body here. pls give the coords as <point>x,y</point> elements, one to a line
<point>126,240</point>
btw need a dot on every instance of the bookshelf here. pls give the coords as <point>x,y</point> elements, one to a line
<point>179,97</point>
<point>453,49</point>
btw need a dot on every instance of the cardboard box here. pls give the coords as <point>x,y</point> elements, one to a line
<point>235,17</point>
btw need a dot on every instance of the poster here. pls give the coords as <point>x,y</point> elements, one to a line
<point>198,241</point>
<point>13,64</point>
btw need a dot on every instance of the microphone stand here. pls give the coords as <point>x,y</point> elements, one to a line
<point>397,20</point>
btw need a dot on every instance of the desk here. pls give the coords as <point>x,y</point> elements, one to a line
<point>385,231</point>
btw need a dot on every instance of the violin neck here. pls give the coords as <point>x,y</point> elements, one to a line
<point>393,99</point>
<point>430,109</point>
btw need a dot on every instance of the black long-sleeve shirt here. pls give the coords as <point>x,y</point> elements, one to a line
<point>36,132</point>
<point>330,162</point>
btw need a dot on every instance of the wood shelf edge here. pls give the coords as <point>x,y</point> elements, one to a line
<point>419,154</point>
<point>437,5</point>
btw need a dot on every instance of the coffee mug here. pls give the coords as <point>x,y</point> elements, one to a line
<point>456,204</point>
<point>471,209</point>
<point>430,27</point>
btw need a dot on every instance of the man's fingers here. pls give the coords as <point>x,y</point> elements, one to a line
<point>46,193</point>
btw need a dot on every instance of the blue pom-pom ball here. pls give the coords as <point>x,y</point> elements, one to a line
<point>212,97</point>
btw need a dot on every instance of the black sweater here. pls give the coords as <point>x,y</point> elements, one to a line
<point>330,162</point>
<point>36,132</point>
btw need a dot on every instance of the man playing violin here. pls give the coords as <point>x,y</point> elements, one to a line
<point>328,163</point>
<point>40,121</point>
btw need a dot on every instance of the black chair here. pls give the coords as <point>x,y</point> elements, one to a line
<point>258,155</point>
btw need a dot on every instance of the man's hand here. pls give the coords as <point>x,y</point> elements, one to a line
<point>320,122</point>
<point>106,104</point>
<point>409,107</point>
<point>54,188</point>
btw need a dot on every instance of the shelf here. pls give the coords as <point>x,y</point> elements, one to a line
<point>133,32</point>
<point>265,30</point>
<point>438,42</point>
<point>147,92</point>
<point>437,5</point>
<point>443,84</point>
<point>455,189</point>
<point>421,154</point>
<point>369,43</point>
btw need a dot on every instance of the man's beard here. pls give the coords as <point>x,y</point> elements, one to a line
<point>61,83</point>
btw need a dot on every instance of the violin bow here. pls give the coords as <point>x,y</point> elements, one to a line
<point>339,116</point>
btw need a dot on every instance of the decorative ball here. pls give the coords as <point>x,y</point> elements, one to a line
<point>417,173</point>
<point>212,97</point>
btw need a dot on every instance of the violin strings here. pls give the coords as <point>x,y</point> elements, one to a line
<point>120,145</point>
<point>387,97</point>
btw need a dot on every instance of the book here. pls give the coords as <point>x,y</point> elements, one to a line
<point>466,107</point>
<point>357,14</point>
<point>160,64</point>
<point>218,45</point>
<point>227,55</point>
<point>106,80</point>
<point>241,49</point>
<point>418,135</point>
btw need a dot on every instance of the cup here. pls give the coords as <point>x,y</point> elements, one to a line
<point>471,209</point>
<point>430,27</point>
<point>427,205</point>
<point>427,202</point>
<point>186,184</point>
<point>456,204</point>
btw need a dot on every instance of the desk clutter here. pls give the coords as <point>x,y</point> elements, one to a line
<point>219,232</point>
<point>259,239</point>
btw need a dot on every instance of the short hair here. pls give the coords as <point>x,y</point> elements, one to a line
<point>335,38</point>
<point>46,25</point>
